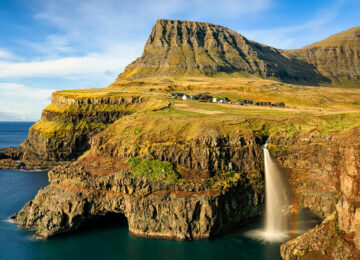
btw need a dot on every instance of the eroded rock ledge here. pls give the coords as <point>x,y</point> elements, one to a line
<point>152,208</point>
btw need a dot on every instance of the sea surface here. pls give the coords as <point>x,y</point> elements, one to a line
<point>102,242</point>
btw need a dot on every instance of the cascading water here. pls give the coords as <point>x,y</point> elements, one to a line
<point>276,201</point>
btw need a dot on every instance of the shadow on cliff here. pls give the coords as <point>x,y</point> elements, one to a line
<point>109,221</point>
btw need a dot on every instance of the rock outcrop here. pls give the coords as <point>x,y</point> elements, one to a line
<point>69,122</point>
<point>337,57</point>
<point>337,164</point>
<point>220,184</point>
<point>218,159</point>
<point>193,48</point>
<point>10,158</point>
<point>200,149</point>
<point>158,209</point>
<point>322,242</point>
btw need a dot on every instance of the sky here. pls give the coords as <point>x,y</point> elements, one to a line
<point>49,45</point>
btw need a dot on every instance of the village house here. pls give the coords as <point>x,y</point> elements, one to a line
<point>278,104</point>
<point>202,97</point>
<point>177,95</point>
<point>244,102</point>
<point>221,100</point>
<point>262,104</point>
<point>226,100</point>
<point>186,97</point>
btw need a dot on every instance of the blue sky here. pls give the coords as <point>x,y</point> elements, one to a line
<point>48,45</point>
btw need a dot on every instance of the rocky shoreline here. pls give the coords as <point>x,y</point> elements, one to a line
<point>217,166</point>
<point>152,209</point>
<point>12,158</point>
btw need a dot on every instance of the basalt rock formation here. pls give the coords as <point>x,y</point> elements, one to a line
<point>337,57</point>
<point>153,208</point>
<point>67,125</point>
<point>216,158</point>
<point>326,180</point>
<point>10,158</point>
<point>193,48</point>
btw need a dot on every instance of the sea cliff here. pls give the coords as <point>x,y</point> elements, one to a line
<point>186,169</point>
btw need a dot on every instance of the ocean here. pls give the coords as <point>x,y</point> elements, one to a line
<point>106,241</point>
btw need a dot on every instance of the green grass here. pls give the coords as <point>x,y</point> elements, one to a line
<point>60,130</point>
<point>153,170</point>
<point>226,180</point>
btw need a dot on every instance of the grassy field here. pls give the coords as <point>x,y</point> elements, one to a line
<point>257,89</point>
<point>320,109</point>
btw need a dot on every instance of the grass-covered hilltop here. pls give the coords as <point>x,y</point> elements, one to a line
<point>174,144</point>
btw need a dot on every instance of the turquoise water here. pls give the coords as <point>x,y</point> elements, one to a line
<point>106,242</point>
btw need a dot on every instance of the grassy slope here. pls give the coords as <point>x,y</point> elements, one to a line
<point>346,38</point>
<point>320,109</point>
<point>254,88</point>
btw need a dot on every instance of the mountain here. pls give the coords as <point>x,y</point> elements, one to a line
<point>337,57</point>
<point>176,48</point>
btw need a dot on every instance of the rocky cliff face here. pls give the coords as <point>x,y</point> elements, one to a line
<point>193,48</point>
<point>337,57</point>
<point>199,155</point>
<point>68,123</point>
<point>153,208</point>
<point>313,165</point>
<point>219,159</point>
<point>219,185</point>
<point>334,187</point>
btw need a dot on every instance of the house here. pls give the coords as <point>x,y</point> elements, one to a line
<point>218,100</point>
<point>185,97</point>
<point>221,100</point>
<point>244,102</point>
<point>278,104</point>
<point>202,97</point>
<point>262,104</point>
<point>177,95</point>
<point>226,100</point>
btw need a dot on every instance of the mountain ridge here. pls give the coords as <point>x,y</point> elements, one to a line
<point>176,48</point>
<point>187,48</point>
<point>336,57</point>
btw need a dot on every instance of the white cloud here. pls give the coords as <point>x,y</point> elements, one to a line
<point>90,39</point>
<point>7,55</point>
<point>96,24</point>
<point>94,63</point>
<point>22,91</point>
<point>22,102</point>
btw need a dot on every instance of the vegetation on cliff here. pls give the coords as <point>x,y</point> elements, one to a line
<point>189,169</point>
<point>153,170</point>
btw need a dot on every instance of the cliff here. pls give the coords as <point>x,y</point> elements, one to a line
<point>189,169</point>
<point>330,188</point>
<point>157,206</point>
<point>72,118</point>
<point>337,57</point>
<point>184,48</point>
<point>183,175</point>
<point>177,48</point>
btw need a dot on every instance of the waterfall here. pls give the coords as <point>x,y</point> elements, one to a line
<point>276,201</point>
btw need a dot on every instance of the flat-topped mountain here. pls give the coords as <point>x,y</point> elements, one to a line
<point>337,57</point>
<point>176,48</point>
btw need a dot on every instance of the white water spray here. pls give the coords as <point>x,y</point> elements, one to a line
<point>276,201</point>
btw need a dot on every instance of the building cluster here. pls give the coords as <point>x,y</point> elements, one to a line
<point>225,100</point>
